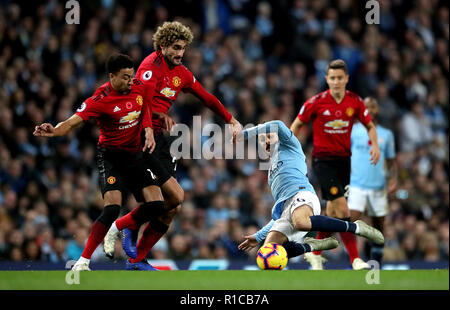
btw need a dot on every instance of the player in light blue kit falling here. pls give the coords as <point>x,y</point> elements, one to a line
<point>297,207</point>
<point>368,186</point>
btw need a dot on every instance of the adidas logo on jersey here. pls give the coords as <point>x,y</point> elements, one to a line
<point>327,112</point>
<point>116,109</point>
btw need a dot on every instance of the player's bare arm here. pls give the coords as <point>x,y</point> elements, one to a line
<point>211,101</point>
<point>392,172</point>
<point>149,140</point>
<point>47,130</point>
<point>236,127</point>
<point>374,150</point>
<point>166,120</point>
<point>296,126</point>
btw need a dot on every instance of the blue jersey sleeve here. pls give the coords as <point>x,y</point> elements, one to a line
<point>284,133</point>
<point>262,233</point>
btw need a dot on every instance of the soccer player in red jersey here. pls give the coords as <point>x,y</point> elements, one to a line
<point>332,113</point>
<point>164,74</point>
<point>121,108</point>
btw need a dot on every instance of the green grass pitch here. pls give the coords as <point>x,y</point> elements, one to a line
<point>225,280</point>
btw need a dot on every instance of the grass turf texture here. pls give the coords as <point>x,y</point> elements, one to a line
<point>227,280</point>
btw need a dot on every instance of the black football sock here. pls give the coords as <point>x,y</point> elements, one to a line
<point>147,211</point>
<point>294,249</point>
<point>329,224</point>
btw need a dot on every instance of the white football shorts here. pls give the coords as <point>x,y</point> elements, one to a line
<point>284,223</point>
<point>375,200</point>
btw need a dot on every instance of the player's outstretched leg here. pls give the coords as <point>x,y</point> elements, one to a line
<point>359,228</point>
<point>294,249</point>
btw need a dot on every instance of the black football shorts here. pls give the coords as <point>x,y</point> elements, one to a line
<point>161,161</point>
<point>333,175</point>
<point>121,170</point>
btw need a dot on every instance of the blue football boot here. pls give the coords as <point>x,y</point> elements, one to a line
<point>143,265</point>
<point>129,239</point>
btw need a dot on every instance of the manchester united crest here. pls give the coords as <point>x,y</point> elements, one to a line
<point>349,112</point>
<point>139,100</point>
<point>176,81</point>
<point>334,190</point>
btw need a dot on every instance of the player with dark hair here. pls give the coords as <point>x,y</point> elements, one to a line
<point>121,109</point>
<point>165,76</point>
<point>333,113</point>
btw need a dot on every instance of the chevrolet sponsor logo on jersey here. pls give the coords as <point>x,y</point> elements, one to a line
<point>166,91</point>
<point>337,124</point>
<point>130,117</point>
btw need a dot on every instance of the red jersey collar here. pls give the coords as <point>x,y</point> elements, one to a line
<point>332,98</point>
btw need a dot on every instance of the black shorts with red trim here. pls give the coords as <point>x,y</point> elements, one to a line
<point>333,175</point>
<point>121,170</point>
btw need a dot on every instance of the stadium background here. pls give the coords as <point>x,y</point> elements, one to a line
<point>262,60</point>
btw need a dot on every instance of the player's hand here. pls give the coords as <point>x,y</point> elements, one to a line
<point>392,185</point>
<point>374,155</point>
<point>236,128</point>
<point>149,140</point>
<point>239,137</point>
<point>248,244</point>
<point>167,121</point>
<point>44,130</point>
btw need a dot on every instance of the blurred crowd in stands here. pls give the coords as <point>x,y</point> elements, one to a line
<point>262,59</point>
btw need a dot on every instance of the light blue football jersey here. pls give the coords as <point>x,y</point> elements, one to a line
<point>288,170</point>
<point>363,173</point>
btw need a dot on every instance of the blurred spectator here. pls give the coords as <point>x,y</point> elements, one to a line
<point>415,129</point>
<point>216,15</point>
<point>76,246</point>
<point>179,247</point>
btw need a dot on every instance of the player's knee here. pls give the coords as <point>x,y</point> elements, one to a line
<point>302,224</point>
<point>340,208</point>
<point>173,193</point>
<point>355,215</point>
<point>179,197</point>
<point>113,197</point>
<point>176,198</point>
<point>300,218</point>
<point>342,213</point>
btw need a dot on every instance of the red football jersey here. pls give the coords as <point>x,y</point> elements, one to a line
<point>333,122</point>
<point>167,84</point>
<point>119,115</point>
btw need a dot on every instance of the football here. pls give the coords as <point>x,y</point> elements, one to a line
<point>271,256</point>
